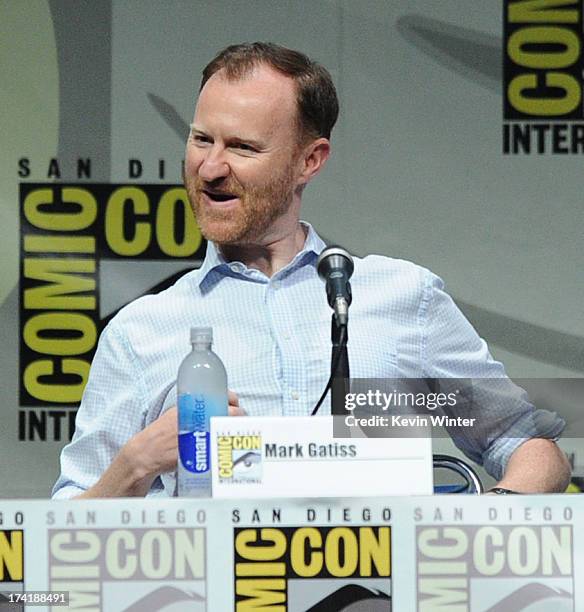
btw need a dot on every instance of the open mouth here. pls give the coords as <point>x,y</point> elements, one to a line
<point>219,196</point>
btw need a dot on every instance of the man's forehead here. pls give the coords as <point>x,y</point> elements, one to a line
<point>260,72</point>
<point>257,86</point>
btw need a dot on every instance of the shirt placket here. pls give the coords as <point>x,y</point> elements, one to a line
<point>291,366</point>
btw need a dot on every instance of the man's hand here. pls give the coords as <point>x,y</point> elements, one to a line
<point>234,408</point>
<point>149,453</point>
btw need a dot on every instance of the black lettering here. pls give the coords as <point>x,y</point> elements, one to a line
<point>21,425</point>
<point>84,168</point>
<point>72,417</point>
<point>559,138</point>
<point>541,129</point>
<point>37,425</point>
<point>46,425</point>
<point>135,168</point>
<point>578,138</point>
<point>54,171</point>
<point>24,167</point>
<point>56,416</point>
<point>521,137</point>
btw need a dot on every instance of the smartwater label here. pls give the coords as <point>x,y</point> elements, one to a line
<point>193,439</point>
<point>193,448</point>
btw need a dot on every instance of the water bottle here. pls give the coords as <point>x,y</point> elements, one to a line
<point>202,393</point>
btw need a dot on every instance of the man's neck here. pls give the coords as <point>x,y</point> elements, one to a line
<point>271,255</point>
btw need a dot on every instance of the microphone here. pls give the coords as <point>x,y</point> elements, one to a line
<point>335,267</point>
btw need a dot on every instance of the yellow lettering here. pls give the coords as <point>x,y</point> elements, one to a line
<point>375,550</point>
<point>263,594</point>
<point>56,393</point>
<point>332,552</point>
<point>298,545</point>
<point>165,226</point>
<point>269,552</point>
<point>544,36</point>
<point>118,207</point>
<point>531,11</point>
<point>260,569</point>
<point>545,106</point>
<point>57,321</point>
<point>60,221</point>
<point>58,243</point>
<point>61,281</point>
<point>11,558</point>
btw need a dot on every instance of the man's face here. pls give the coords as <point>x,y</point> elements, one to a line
<point>241,165</point>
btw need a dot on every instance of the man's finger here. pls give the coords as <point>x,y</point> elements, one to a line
<point>233,400</point>
<point>236,411</point>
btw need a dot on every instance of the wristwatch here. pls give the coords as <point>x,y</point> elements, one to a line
<point>502,491</point>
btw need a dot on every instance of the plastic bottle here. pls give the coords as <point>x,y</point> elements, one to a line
<point>202,393</point>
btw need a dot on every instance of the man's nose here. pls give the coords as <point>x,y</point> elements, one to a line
<point>214,165</point>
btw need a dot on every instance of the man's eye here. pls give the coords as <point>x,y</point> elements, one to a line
<point>243,147</point>
<point>198,138</point>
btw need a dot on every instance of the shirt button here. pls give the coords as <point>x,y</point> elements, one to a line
<point>236,267</point>
<point>295,395</point>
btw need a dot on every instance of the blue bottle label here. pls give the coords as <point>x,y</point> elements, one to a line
<point>194,438</point>
<point>193,448</point>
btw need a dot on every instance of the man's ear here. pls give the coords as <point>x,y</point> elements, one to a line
<point>314,157</point>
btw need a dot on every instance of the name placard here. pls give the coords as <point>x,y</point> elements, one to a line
<point>299,457</point>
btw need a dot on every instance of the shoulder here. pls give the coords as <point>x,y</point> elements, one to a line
<point>406,276</point>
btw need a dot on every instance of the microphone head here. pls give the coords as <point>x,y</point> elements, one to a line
<point>334,258</point>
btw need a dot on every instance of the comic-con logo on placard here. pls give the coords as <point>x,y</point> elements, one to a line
<point>313,568</point>
<point>467,568</point>
<point>542,77</point>
<point>239,458</point>
<point>11,564</point>
<point>122,569</point>
<point>75,240</point>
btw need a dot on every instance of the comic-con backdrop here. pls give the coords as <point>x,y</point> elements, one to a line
<point>459,146</point>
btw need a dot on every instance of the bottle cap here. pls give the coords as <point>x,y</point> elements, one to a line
<point>202,335</point>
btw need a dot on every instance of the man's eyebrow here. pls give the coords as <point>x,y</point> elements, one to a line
<point>235,139</point>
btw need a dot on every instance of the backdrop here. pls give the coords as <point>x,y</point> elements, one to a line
<point>435,159</point>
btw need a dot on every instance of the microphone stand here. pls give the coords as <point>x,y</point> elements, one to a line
<point>340,383</point>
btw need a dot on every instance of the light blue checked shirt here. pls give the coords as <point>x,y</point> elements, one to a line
<point>273,335</point>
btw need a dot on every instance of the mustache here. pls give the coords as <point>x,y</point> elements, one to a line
<point>219,186</point>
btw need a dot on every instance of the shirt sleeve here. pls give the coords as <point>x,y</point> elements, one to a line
<point>455,355</point>
<point>112,410</point>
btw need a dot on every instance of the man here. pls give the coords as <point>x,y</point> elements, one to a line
<point>261,133</point>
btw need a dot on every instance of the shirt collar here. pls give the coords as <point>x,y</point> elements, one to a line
<point>215,266</point>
